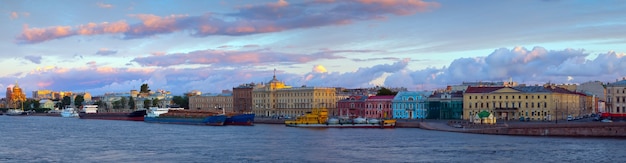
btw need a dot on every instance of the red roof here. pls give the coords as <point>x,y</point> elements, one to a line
<point>390,97</point>
<point>471,89</point>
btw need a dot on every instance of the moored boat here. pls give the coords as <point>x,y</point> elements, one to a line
<point>240,119</point>
<point>188,117</point>
<point>69,113</point>
<point>16,112</point>
<point>318,118</point>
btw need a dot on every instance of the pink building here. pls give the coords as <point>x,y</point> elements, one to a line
<point>352,106</point>
<point>378,107</point>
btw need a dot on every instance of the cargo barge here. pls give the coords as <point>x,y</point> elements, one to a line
<point>239,119</point>
<point>188,117</point>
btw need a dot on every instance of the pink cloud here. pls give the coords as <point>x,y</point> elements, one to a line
<point>232,58</point>
<point>252,19</point>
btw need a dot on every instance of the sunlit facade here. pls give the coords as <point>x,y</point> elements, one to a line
<point>275,99</point>
<point>529,103</point>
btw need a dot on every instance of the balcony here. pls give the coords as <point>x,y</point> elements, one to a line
<point>505,109</point>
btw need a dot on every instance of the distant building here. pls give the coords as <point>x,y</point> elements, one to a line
<point>594,88</point>
<point>532,103</point>
<point>616,97</point>
<point>275,99</point>
<point>242,97</point>
<point>212,102</point>
<point>353,106</point>
<point>15,96</point>
<point>410,104</point>
<point>378,107</point>
<point>445,104</point>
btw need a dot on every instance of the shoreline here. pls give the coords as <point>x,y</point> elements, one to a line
<point>565,129</point>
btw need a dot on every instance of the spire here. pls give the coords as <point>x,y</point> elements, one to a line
<point>16,85</point>
<point>274,73</point>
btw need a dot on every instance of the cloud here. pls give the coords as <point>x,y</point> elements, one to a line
<point>104,5</point>
<point>319,69</point>
<point>538,65</point>
<point>232,58</point>
<point>360,78</point>
<point>34,59</point>
<point>15,15</point>
<point>252,19</point>
<point>106,52</point>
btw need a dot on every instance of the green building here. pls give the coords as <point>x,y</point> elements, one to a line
<point>445,105</point>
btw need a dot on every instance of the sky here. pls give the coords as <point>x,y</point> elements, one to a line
<point>116,45</point>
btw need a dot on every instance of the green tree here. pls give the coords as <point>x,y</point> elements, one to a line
<point>67,100</point>
<point>182,101</point>
<point>116,104</point>
<point>145,88</point>
<point>123,102</point>
<point>384,91</point>
<point>131,103</point>
<point>146,103</point>
<point>155,102</point>
<point>78,101</point>
<point>36,104</point>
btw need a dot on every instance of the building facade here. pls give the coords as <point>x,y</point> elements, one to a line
<point>212,102</point>
<point>275,99</point>
<point>242,97</point>
<point>352,106</point>
<point>528,103</point>
<point>378,107</point>
<point>445,104</point>
<point>616,99</point>
<point>410,104</point>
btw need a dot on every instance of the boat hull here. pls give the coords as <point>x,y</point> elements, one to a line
<point>240,120</point>
<point>16,112</point>
<point>216,120</point>
<point>134,116</point>
<point>363,125</point>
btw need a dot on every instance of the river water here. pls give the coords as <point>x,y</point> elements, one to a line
<point>56,139</point>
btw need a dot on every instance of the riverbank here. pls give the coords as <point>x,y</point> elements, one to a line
<point>580,129</point>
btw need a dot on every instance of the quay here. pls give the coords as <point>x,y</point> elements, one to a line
<point>565,129</point>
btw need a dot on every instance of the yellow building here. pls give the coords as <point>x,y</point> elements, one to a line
<point>529,103</point>
<point>17,96</point>
<point>616,98</point>
<point>277,99</point>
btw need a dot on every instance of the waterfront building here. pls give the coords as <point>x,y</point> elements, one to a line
<point>445,104</point>
<point>594,88</point>
<point>43,94</point>
<point>45,103</point>
<point>378,107</point>
<point>353,106</point>
<point>529,103</point>
<point>242,97</point>
<point>616,98</point>
<point>15,97</point>
<point>410,104</point>
<point>275,99</point>
<point>212,102</point>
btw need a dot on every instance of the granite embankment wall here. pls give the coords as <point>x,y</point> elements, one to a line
<point>574,129</point>
<point>268,121</point>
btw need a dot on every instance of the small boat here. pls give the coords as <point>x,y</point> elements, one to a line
<point>16,112</point>
<point>318,118</point>
<point>69,113</point>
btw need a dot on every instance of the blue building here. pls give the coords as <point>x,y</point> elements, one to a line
<point>410,104</point>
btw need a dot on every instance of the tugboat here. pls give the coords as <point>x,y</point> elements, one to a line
<point>318,118</point>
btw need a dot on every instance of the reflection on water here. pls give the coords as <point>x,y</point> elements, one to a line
<point>52,139</point>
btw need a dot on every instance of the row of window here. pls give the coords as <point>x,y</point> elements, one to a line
<point>507,97</point>
<point>506,105</point>
<point>616,90</point>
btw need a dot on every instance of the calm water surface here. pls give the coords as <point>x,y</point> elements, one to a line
<point>55,139</point>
